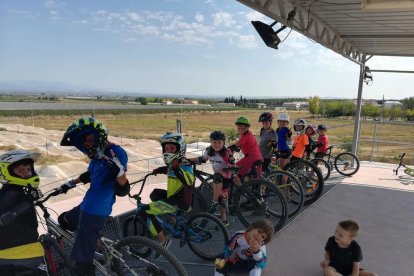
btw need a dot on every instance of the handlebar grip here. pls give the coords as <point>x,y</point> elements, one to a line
<point>403,155</point>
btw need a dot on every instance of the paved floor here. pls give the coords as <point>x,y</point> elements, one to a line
<point>377,201</point>
<point>374,197</point>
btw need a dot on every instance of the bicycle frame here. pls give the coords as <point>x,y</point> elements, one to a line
<point>179,229</point>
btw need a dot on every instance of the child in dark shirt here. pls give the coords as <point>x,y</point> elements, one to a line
<point>343,254</point>
<point>268,139</point>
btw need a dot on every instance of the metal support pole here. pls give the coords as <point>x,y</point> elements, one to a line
<point>357,125</point>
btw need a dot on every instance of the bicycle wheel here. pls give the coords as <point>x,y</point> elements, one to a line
<point>206,235</point>
<point>58,263</point>
<point>200,203</point>
<point>259,198</point>
<point>206,189</point>
<point>346,163</point>
<point>135,226</point>
<point>161,262</point>
<point>309,176</point>
<point>323,166</point>
<point>290,188</point>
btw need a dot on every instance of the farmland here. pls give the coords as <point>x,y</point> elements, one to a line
<point>390,140</point>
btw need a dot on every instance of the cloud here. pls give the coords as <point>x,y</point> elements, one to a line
<point>52,4</point>
<point>247,42</point>
<point>255,16</point>
<point>137,26</point>
<point>223,19</point>
<point>199,17</point>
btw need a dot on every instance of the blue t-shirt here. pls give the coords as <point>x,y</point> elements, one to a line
<point>282,137</point>
<point>101,196</point>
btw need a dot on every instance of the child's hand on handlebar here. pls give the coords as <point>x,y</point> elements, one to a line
<point>67,186</point>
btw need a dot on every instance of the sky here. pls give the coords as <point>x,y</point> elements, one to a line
<point>170,47</point>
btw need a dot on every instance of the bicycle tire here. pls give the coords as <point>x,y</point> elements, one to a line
<point>206,189</point>
<point>202,240</point>
<point>323,166</point>
<point>259,198</point>
<point>200,203</point>
<point>291,189</point>
<point>309,176</point>
<point>343,161</point>
<point>162,262</point>
<point>53,250</point>
<point>135,226</point>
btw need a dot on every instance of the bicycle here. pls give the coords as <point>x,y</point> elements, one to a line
<point>205,234</point>
<point>407,170</point>
<point>308,175</point>
<point>255,198</point>
<point>345,163</point>
<point>115,257</point>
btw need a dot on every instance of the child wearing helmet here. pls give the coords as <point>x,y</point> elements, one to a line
<point>107,176</point>
<point>268,139</point>
<point>179,184</point>
<point>301,140</point>
<point>323,142</point>
<point>284,134</point>
<point>221,158</point>
<point>20,251</point>
<point>310,131</point>
<point>248,145</point>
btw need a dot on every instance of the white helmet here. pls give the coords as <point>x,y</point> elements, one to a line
<point>299,126</point>
<point>283,117</point>
<point>176,139</point>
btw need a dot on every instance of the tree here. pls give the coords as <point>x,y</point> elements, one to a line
<point>314,105</point>
<point>408,103</point>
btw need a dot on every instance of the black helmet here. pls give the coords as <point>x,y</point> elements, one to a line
<point>322,127</point>
<point>266,116</point>
<point>217,135</point>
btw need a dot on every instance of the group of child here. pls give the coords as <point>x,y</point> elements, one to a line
<point>20,251</point>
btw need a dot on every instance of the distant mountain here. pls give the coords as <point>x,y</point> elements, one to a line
<point>38,86</point>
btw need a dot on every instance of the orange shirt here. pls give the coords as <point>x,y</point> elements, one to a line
<point>299,145</point>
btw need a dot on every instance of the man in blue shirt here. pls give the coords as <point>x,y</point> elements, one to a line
<point>106,173</point>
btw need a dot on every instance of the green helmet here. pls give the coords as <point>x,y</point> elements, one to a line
<point>242,121</point>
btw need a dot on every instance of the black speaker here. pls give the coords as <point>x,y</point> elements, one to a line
<point>266,32</point>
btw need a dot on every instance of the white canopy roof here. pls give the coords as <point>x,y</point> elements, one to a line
<point>349,27</point>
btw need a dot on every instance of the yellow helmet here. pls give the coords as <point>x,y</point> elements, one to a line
<point>9,160</point>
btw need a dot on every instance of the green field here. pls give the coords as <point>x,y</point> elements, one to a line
<point>392,138</point>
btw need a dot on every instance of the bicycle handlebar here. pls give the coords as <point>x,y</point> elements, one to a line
<point>143,180</point>
<point>19,209</point>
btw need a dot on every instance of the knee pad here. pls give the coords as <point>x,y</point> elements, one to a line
<point>217,178</point>
<point>65,225</point>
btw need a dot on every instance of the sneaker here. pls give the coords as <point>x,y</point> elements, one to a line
<point>213,207</point>
<point>225,223</point>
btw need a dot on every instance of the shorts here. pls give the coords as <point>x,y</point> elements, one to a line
<point>285,154</point>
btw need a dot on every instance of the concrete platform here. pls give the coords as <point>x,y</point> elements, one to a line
<point>376,199</point>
